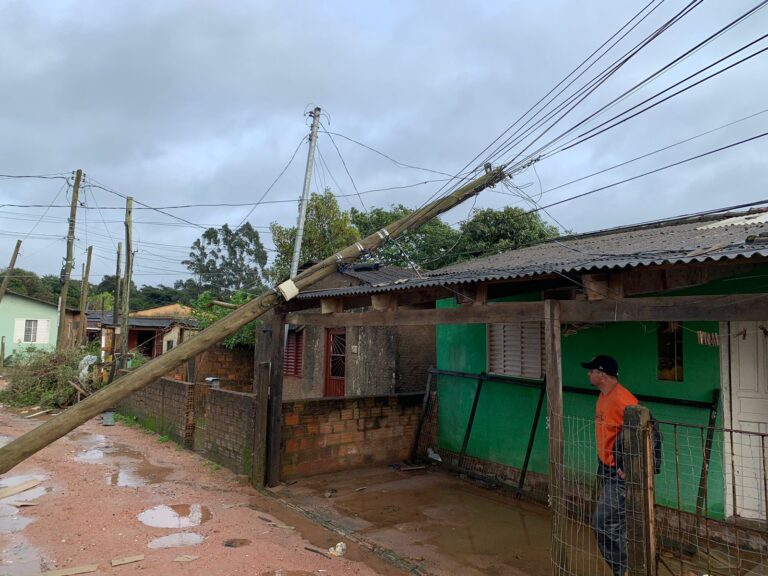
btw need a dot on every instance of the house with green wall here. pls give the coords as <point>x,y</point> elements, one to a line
<point>681,304</point>
<point>27,322</point>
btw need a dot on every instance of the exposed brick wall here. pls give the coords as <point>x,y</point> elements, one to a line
<point>234,367</point>
<point>230,422</point>
<point>416,353</point>
<point>164,406</point>
<point>330,435</point>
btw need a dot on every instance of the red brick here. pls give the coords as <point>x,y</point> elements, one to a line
<point>291,446</point>
<point>291,419</point>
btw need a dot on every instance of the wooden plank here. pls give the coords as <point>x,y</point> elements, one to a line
<point>638,471</point>
<point>13,490</point>
<point>86,569</point>
<point>258,471</point>
<point>596,286</point>
<point>554,382</point>
<point>275,420</point>
<point>477,314</point>
<point>680,308</point>
<point>127,560</point>
<point>383,301</point>
<point>471,421</point>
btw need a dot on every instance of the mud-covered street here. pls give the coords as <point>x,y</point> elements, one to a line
<point>117,492</point>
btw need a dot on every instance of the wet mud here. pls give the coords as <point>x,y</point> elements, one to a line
<point>130,467</point>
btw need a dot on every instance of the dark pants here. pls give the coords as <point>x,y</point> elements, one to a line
<point>609,521</point>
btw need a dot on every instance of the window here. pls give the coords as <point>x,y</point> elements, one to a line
<point>669,342</point>
<point>516,349</point>
<point>168,345</point>
<point>293,354</point>
<point>30,331</point>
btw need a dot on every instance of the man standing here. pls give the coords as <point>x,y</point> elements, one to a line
<point>609,519</point>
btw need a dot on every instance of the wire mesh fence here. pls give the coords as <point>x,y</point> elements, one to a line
<point>704,512</point>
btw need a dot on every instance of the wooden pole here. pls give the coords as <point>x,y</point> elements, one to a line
<point>126,299</point>
<point>640,500</point>
<point>2,351</point>
<point>24,446</point>
<point>9,271</point>
<point>554,377</point>
<point>84,299</point>
<point>258,473</point>
<point>275,417</point>
<point>61,338</point>
<point>115,314</point>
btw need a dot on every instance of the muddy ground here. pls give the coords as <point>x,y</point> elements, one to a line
<point>109,492</point>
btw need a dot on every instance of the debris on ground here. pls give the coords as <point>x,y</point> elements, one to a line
<point>13,490</point>
<point>127,560</point>
<point>87,569</point>
<point>330,492</point>
<point>339,550</point>
<point>186,558</point>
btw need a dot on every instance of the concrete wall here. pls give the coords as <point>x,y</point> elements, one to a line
<point>330,435</point>
<point>16,307</point>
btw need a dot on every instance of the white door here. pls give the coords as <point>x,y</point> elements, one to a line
<point>747,413</point>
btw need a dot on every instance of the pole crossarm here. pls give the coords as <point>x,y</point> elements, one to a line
<point>31,442</point>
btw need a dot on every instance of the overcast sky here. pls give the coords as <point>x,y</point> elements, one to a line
<point>204,102</point>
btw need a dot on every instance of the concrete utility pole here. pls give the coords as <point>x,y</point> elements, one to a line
<point>315,114</point>
<point>126,300</point>
<point>115,313</point>
<point>62,333</point>
<point>49,431</point>
<point>84,298</point>
<point>8,274</point>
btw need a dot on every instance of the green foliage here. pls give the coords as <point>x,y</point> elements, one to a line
<point>327,229</point>
<point>42,376</point>
<point>206,313</point>
<point>429,246</point>
<point>130,421</point>
<point>227,260</point>
<point>101,301</point>
<point>163,439</point>
<point>214,466</point>
<point>492,231</point>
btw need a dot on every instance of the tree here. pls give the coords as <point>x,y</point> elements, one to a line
<point>101,301</point>
<point>206,313</point>
<point>28,283</point>
<point>429,246</point>
<point>226,260</point>
<point>491,231</point>
<point>327,229</point>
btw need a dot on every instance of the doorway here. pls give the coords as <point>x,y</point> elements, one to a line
<point>335,362</point>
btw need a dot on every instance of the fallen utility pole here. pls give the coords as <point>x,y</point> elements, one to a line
<point>61,338</point>
<point>82,329</point>
<point>37,439</point>
<point>9,273</point>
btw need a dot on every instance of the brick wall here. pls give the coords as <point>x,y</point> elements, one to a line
<point>230,422</point>
<point>330,435</point>
<point>234,367</point>
<point>164,406</point>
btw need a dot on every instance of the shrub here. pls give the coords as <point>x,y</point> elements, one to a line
<point>42,376</point>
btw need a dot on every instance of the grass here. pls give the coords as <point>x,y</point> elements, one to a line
<point>163,439</point>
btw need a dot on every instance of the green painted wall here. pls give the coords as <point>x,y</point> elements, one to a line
<point>13,307</point>
<point>505,413</point>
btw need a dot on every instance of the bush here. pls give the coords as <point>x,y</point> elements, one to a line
<point>41,376</point>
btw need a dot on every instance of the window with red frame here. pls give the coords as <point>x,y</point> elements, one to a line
<point>294,353</point>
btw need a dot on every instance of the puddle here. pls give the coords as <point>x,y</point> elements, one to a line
<point>293,573</point>
<point>10,521</point>
<point>177,540</point>
<point>176,516</point>
<point>27,495</point>
<point>21,559</point>
<point>6,439</point>
<point>132,468</point>
<point>236,542</point>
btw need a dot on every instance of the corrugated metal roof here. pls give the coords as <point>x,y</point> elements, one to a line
<point>377,276</point>
<point>677,242</point>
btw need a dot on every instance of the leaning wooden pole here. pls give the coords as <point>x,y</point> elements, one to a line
<point>9,270</point>
<point>37,439</point>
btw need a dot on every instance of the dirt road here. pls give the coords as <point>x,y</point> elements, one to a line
<point>109,492</point>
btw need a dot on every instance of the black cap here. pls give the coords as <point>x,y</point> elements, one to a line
<point>605,364</point>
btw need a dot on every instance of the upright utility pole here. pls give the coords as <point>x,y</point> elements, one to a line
<point>84,299</point>
<point>62,333</point>
<point>8,274</point>
<point>315,114</point>
<point>115,313</point>
<point>126,300</point>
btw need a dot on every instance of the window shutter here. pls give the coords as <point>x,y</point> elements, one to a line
<point>516,349</point>
<point>43,331</point>
<point>293,354</point>
<point>18,330</point>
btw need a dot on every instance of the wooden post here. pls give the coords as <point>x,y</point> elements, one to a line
<point>61,338</point>
<point>275,400</point>
<point>261,392</point>
<point>38,438</point>
<point>81,336</point>
<point>115,314</point>
<point>471,421</point>
<point>640,500</point>
<point>554,377</point>
<point>2,351</point>
<point>9,273</point>
<point>126,299</point>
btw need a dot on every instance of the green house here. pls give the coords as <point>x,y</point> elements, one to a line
<point>26,321</point>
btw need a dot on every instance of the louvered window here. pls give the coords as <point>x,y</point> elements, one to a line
<point>294,353</point>
<point>516,349</point>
